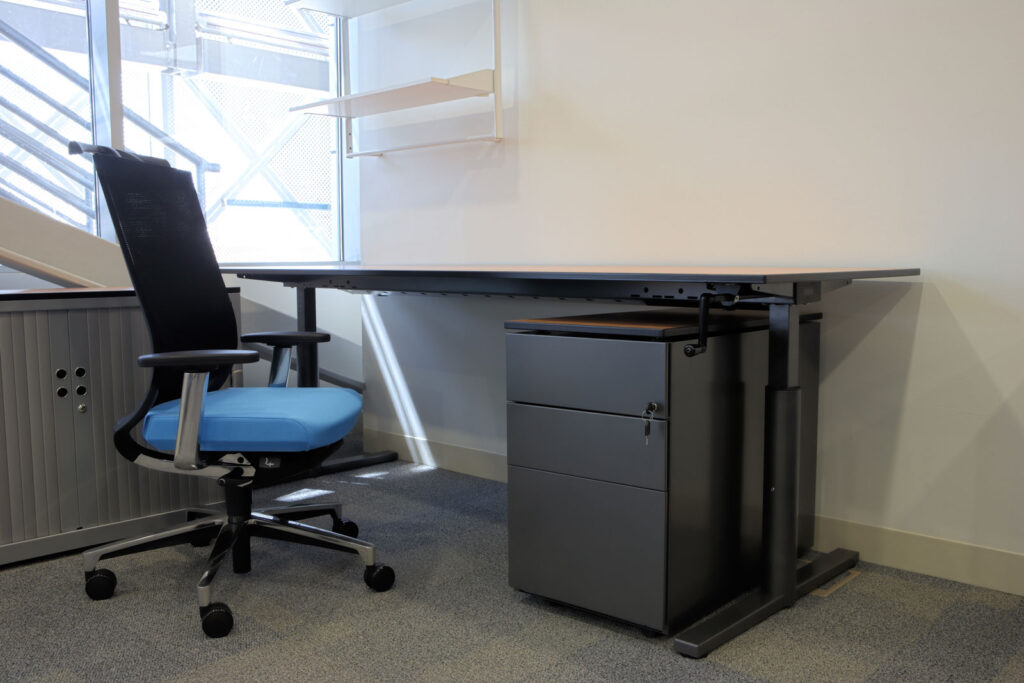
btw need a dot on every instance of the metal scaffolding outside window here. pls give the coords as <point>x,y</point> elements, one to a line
<point>206,84</point>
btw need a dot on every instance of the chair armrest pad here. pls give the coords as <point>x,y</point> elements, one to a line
<point>289,338</point>
<point>200,360</point>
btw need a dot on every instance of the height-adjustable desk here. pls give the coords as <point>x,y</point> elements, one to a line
<point>781,291</point>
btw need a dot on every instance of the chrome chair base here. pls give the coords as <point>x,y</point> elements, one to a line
<point>230,535</point>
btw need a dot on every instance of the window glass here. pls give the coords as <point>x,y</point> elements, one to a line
<point>208,84</point>
<point>44,103</point>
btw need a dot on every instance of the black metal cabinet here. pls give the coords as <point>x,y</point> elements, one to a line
<point>635,470</point>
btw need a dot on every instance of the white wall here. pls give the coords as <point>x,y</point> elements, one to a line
<point>875,133</point>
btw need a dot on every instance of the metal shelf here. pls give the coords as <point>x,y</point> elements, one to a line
<point>349,9</point>
<point>417,94</point>
<point>482,83</point>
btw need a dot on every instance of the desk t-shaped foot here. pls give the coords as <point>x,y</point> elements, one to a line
<point>781,582</point>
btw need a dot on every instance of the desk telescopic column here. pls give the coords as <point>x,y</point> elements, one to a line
<point>781,583</point>
<point>309,376</point>
<point>306,354</point>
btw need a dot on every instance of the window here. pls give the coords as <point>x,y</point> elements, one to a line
<point>206,84</point>
<point>44,103</point>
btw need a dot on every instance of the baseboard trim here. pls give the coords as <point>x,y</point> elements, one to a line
<point>460,459</point>
<point>973,564</point>
<point>977,565</point>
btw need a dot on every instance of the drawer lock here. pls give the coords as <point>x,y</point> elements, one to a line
<point>646,416</point>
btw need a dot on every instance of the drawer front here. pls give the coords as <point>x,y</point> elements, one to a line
<point>604,375</point>
<point>594,445</point>
<point>588,543</point>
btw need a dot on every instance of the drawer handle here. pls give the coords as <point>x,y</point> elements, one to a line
<point>646,416</point>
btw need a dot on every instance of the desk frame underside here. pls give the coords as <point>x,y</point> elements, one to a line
<point>781,293</point>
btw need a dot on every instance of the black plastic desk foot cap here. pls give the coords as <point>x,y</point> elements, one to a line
<point>755,606</point>
<point>824,569</point>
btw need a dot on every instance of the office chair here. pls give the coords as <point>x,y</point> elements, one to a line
<point>191,424</point>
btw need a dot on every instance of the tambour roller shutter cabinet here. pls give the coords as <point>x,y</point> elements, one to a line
<point>68,372</point>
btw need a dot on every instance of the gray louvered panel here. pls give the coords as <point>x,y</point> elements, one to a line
<point>49,410</point>
<point>44,451</point>
<point>8,435</point>
<point>99,433</point>
<point>91,479</point>
<point>21,491</point>
<point>28,408</point>
<point>107,359</point>
<point>64,423</point>
<point>59,470</point>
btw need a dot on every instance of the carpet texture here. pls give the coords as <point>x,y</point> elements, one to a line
<point>304,614</point>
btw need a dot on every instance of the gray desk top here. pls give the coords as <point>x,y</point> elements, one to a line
<point>662,285</point>
<point>723,274</point>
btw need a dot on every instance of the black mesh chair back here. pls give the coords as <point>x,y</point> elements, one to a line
<point>172,265</point>
<point>163,235</point>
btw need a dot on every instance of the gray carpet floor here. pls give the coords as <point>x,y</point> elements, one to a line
<point>304,614</point>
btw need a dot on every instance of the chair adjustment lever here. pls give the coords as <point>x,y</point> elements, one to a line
<point>236,477</point>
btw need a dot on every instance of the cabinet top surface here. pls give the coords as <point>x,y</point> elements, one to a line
<point>72,293</point>
<point>64,293</point>
<point>738,274</point>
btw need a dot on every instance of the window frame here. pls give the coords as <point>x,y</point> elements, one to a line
<point>104,36</point>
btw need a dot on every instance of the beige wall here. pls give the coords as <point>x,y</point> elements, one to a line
<point>832,133</point>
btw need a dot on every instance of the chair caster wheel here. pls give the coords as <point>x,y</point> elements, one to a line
<point>379,577</point>
<point>100,584</point>
<point>345,527</point>
<point>217,619</point>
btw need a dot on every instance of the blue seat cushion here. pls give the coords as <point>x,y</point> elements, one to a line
<point>261,419</point>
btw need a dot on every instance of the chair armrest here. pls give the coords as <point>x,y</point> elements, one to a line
<point>200,360</point>
<point>197,365</point>
<point>289,338</point>
<point>283,343</point>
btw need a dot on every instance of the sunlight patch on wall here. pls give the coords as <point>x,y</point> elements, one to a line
<point>397,388</point>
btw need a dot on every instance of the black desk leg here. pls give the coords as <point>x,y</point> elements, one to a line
<point>306,354</point>
<point>781,582</point>
<point>308,371</point>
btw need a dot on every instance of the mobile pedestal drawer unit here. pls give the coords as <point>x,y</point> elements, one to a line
<point>635,469</point>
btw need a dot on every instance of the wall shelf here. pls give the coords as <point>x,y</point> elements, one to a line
<point>347,9</point>
<point>416,94</point>
<point>432,90</point>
